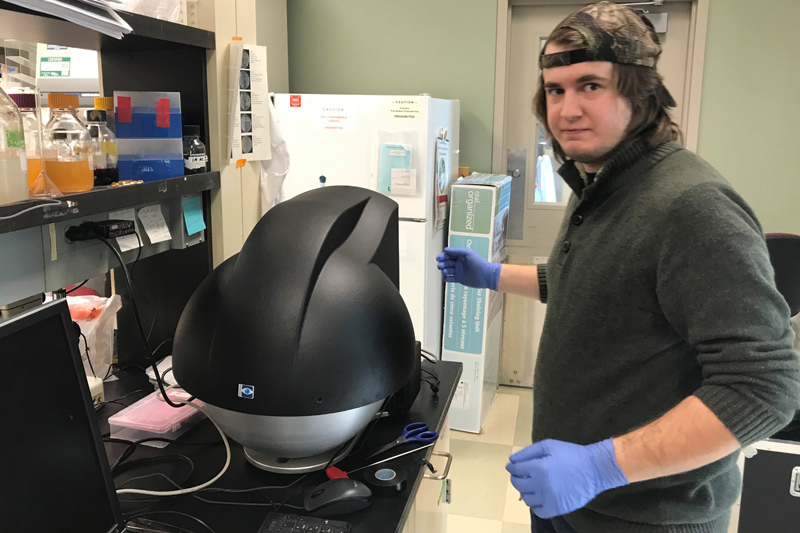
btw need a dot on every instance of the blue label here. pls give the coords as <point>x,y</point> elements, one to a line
<point>246,391</point>
<point>464,306</point>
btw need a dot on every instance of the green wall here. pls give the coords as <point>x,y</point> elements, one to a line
<point>750,111</point>
<point>442,47</point>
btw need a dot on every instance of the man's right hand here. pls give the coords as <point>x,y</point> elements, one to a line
<point>467,267</point>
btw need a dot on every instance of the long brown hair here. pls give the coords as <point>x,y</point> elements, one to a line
<point>642,86</point>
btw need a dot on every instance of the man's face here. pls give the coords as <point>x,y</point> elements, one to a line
<point>586,114</point>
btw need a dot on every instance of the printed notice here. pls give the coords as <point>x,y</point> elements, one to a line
<point>405,109</point>
<point>127,242</point>
<point>154,224</point>
<point>334,114</point>
<point>54,67</point>
<point>404,181</point>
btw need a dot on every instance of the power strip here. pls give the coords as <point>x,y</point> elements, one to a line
<point>96,390</point>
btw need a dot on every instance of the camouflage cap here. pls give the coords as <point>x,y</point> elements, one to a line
<point>612,33</point>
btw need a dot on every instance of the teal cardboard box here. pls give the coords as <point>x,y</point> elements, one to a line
<point>473,318</point>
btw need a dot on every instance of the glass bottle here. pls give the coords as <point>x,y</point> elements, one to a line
<point>106,103</point>
<point>13,163</point>
<point>104,148</point>
<point>26,102</point>
<point>195,158</point>
<point>67,145</point>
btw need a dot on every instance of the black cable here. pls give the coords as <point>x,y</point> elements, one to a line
<point>153,513</point>
<point>283,503</point>
<point>141,293</point>
<point>373,424</point>
<point>88,359</point>
<point>150,460</point>
<point>119,400</point>
<point>138,320</point>
<point>76,287</point>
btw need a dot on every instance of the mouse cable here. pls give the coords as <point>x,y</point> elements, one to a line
<point>197,487</point>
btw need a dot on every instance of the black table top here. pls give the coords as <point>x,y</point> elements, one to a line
<point>243,512</point>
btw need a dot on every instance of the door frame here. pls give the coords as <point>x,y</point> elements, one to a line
<point>692,90</point>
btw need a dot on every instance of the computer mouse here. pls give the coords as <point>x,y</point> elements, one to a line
<point>338,497</point>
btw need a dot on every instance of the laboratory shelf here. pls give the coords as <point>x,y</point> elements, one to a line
<point>104,199</point>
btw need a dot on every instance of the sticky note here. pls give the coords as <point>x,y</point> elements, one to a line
<point>193,215</point>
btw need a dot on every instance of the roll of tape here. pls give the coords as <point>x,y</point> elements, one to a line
<point>385,479</point>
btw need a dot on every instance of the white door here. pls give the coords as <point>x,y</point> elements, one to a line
<point>545,193</point>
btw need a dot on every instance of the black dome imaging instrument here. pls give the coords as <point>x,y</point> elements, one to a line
<point>295,342</point>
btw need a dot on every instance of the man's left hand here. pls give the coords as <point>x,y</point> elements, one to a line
<point>557,478</point>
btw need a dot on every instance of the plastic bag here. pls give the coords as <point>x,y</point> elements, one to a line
<point>95,315</point>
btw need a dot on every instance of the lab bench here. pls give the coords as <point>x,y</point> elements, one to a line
<point>386,514</point>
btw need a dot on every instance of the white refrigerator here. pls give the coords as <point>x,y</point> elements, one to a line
<point>403,146</point>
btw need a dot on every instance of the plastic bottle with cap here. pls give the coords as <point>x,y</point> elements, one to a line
<point>195,158</point>
<point>13,162</point>
<point>104,148</point>
<point>26,102</point>
<point>106,103</point>
<point>67,145</point>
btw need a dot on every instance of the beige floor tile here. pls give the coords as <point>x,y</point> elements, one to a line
<point>480,480</point>
<point>524,423</point>
<point>469,524</point>
<point>515,510</point>
<point>510,527</point>
<point>500,425</point>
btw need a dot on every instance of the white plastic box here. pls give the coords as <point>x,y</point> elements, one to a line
<point>152,417</point>
<point>473,318</point>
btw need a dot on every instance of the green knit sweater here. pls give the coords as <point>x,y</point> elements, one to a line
<point>660,287</point>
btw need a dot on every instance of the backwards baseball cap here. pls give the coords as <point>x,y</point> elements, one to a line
<point>612,33</point>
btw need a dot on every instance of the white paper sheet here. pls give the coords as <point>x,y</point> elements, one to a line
<point>154,224</point>
<point>128,242</point>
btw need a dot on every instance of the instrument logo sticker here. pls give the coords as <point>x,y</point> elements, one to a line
<point>794,489</point>
<point>246,391</point>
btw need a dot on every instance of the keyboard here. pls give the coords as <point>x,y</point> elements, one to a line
<point>292,523</point>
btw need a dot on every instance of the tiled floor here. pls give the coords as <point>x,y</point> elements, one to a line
<point>483,499</point>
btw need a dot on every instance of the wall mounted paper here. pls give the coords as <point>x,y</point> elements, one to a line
<point>128,242</point>
<point>392,157</point>
<point>154,224</point>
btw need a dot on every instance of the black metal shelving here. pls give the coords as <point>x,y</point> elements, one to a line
<point>103,199</point>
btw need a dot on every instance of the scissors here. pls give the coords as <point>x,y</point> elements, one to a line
<point>416,432</point>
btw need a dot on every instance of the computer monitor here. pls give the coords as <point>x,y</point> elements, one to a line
<point>55,474</point>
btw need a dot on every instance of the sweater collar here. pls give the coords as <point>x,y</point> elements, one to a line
<point>615,173</point>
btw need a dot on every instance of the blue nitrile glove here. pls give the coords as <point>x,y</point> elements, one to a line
<point>467,267</point>
<point>556,478</point>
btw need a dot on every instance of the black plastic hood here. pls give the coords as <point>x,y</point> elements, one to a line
<point>307,318</point>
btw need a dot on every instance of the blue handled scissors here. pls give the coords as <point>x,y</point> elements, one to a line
<point>416,432</point>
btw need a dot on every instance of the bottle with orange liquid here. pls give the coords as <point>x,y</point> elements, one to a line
<point>26,102</point>
<point>68,145</point>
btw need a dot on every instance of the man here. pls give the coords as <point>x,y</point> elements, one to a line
<point>666,347</point>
